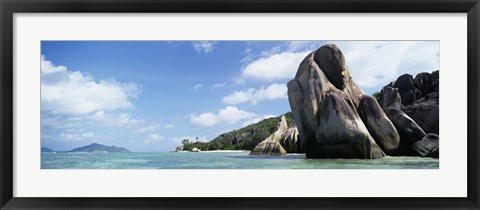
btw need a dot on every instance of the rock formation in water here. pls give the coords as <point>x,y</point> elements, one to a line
<point>290,140</point>
<point>407,128</point>
<point>271,145</point>
<point>268,147</point>
<point>428,146</point>
<point>195,150</point>
<point>284,140</point>
<point>334,117</point>
<point>413,107</point>
<point>418,98</point>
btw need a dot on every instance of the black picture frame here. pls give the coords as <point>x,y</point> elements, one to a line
<point>9,7</point>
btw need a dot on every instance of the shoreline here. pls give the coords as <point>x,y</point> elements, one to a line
<point>219,151</point>
<point>226,151</point>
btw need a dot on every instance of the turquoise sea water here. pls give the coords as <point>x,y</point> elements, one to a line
<point>221,160</point>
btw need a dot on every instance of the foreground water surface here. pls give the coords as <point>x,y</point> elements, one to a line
<point>221,160</point>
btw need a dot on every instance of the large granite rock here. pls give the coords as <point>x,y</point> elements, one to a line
<point>408,92</point>
<point>408,130</point>
<point>390,98</point>
<point>425,112</point>
<point>409,89</point>
<point>290,140</point>
<point>327,105</point>
<point>378,124</point>
<point>428,146</point>
<point>268,147</point>
<point>281,128</point>
<point>271,145</point>
<point>419,112</point>
<point>426,83</point>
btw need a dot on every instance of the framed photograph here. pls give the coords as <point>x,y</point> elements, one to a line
<point>239,105</point>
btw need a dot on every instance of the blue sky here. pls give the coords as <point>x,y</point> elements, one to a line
<point>149,95</point>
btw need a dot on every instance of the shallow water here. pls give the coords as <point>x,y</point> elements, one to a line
<point>221,160</point>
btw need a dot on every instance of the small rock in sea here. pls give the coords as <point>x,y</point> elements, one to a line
<point>196,150</point>
<point>428,146</point>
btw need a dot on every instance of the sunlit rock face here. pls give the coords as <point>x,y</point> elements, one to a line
<point>334,117</point>
<point>271,145</point>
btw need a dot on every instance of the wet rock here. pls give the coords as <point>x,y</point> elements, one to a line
<point>409,131</point>
<point>428,146</point>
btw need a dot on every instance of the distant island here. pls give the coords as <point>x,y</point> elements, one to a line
<point>45,149</point>
<point>99,148</point>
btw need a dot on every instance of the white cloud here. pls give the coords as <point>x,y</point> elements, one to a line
<point>249,56</point>
<point>205,119</point>
<point>257,119</point>
<point>271,51</point>
<point>295,46</point>
<point>228,115</point>
<point>47,67</point>
<point>371,63</point>
<point>75,93</point>
<point>76,136</point>
<point>152,138</point>
<point>377,63</point>
<point>146,129</point>
<point>169,126</point>
<point>60,122</point>
<point>252,95</point>
<point>203,46</point>
<point>218,85</point>
<point>282,65</point>
<point>121,120</point>
<point>197,87</point>
<point>76,123</point>
<point>190,138</point>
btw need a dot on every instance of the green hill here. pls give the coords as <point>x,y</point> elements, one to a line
<point>245,138</point>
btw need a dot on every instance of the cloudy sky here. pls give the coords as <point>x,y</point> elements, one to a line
<point>149,95</point>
